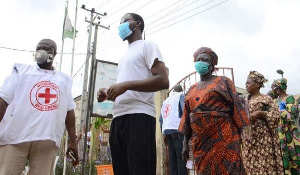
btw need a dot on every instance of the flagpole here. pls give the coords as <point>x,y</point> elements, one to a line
<point>74,36</point>
<point>63,39</point>
<point>66,133</point>
<point>61,54</point>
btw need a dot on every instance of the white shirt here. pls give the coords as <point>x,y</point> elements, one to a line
<point>170,112</point>
<point>136,64</point>
<point>38,104</point>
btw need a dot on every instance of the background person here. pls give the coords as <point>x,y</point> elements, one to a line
<point>261,149</point>
<point>171,112</point>
<point>288,131</point>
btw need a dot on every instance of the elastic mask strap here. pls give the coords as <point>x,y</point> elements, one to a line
<point>136,27</point>
<point>50,56</point>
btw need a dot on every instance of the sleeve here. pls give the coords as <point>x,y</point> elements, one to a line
<point>71,103</point>
<point>185,124</point>
<point>151,52</point>
<point>181,105</point>
<point>273,115</point>
<point>7,90</point>
<point>292,107</point>
<point>239,113</point>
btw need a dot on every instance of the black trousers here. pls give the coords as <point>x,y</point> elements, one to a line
<point>133,147</point>
<point>176,164</point>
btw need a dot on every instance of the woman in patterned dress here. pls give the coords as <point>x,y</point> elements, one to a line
<point>261,149</point>
<point>288,131</point>
<point>213,118</point>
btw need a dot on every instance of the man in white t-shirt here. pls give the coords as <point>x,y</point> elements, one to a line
<point>141,72</point>
<point>40,107</point>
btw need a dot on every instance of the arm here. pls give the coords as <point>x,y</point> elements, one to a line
<point>185,148</point>
<point>70,125</point>
<point>157,82</point>
<point>7,91</point>
<point>239,113</point>
<point>181,105</point>
<point>292,107</point>
<point>272,116</point>
<point>3,106</point>
<point>186,130</point>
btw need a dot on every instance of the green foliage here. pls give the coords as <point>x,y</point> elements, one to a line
<point>102,122</point>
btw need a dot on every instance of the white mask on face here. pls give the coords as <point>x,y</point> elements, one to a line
<point>42,56</point>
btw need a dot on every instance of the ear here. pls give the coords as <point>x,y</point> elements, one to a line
<point>52,56</point>
<point>257,85</point>
<point>138,23</point>
<point>278,90</point>
<point>211,67</point>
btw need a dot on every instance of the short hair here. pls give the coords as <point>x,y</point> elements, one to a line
<point>177,88</point>
<point>52,43</point>
<point>138,18</point>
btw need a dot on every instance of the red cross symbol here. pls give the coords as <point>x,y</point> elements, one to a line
<point>47,95</point>
<point>167,110</point>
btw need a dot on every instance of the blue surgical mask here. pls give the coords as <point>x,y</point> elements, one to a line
<point>124,30</point>
<point>202,67</point>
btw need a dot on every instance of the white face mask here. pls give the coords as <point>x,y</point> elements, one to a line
<point>42,56</point>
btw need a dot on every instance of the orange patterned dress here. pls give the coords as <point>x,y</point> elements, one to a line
<point>213,117</point>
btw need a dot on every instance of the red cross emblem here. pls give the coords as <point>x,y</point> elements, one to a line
<point>47,95</point>
<point>167,111</point>
<point>44,96</point>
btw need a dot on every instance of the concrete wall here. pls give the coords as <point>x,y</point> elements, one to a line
<point>159,98</point>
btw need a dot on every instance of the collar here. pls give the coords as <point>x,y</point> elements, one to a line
<point>173,93</point>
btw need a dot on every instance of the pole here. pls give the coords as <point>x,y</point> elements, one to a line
<point>92,85</point>
<point>87,104</point>
<point>63,39</point>
<point>74,36</point>
<point>65,150</point>
<point>60,64</point>
<point>85,81</point>
<point>84,91</point>
<point>61,55</point>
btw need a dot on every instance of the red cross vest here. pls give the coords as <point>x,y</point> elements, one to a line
<point>170,112</point>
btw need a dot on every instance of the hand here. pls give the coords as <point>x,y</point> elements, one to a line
<point>257,114</point>
<point>101,95</point>
<point>165,139</point>
<point>185,152</point>
<point>72,148</point>
<point>116,90</point>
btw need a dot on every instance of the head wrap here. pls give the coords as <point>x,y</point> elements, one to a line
<point>281,83</point>
<point>258,78</point>
<point>210,52</point>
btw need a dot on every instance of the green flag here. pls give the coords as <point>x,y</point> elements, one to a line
<point>68,29</point>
